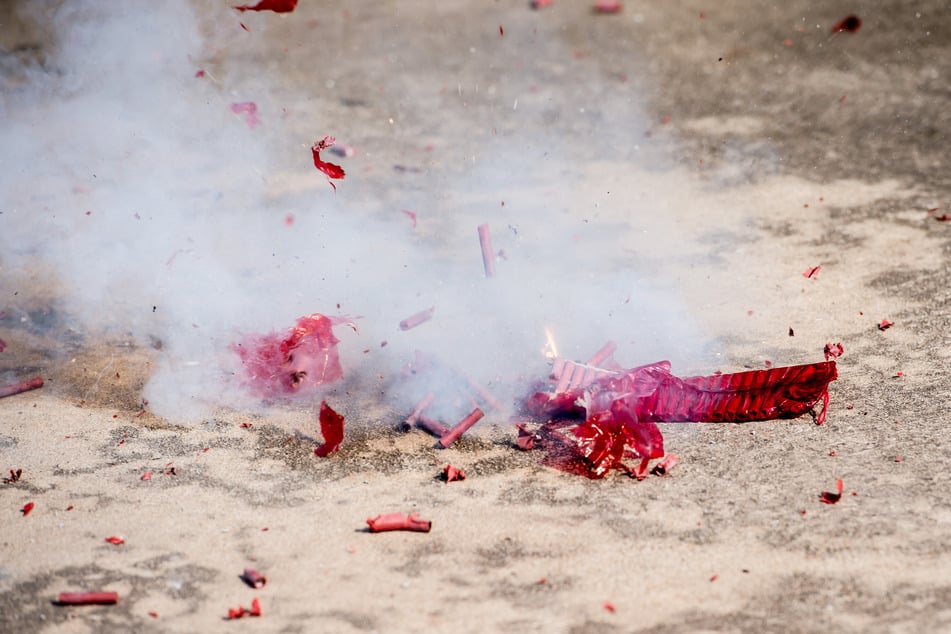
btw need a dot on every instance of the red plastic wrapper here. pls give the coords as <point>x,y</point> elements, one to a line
<point>453,474</point>
<point>331,427</point>
<point>619,412</point>
<point>398,522</point>
<point>330,169</point>
<point>281,364</point>
<point>254,578</point>
<point>277,6</point>
<point>828,497</point>
<point>87,598</point>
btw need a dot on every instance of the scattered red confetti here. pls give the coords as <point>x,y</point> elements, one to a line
<point>792,333</point>
<point>803,512</point>
<point>768,363</point>
<point>831,498</point>
<point>243,26</point>
<point>501,31</point>
<point>541,4</point>
<point>714,578</point>
<point>27,508</point>
<point>331,427</point>
<point>254,578</point>
<point>453,474</point>
<point>398,522</point>
<point>833,350</point>
<point>153,614</point>
<point>200,73</point>
<point>812,271</point>
<point>899,374</point>
<point>115,540</point>
<point>849,24</point>
<point>250,111</point>
<point>277,6</point>
<point>255,607</point>
<point>787,42</point>
<point>411,215</point>
<point>69,508</point>
<point>885,324</point>
<point>246,425</point>
<point>330,169</point>
<point>236,613</point>
<point>303,358</point>
<point>610,607</point>
<point>898,458</point>
<point>607,6</point>
<point>289,220</point>
<point>832,453</point>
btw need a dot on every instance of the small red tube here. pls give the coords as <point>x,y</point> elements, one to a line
<point>88,598</point>
<point>254,578</point>
<point>565,378</point>
<point>601,355</point>
<point>418,318</point>
<point>461,427</point>
<point>488,256</point>
<point>22,386</point>
<point>398,522</point>
<point>432,426</point>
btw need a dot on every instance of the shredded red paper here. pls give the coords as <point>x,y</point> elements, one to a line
<point>331,427</point>
<point>885,324</point>
<point>115,540</point>
<point>303,358</point>
<point>411,215</point>
<point>330,169</point>
<point>833,350</point>
<point>619,411</point>
<point>398,522</point>
<point>27,508</point>
<point>831,498</point>
<point>277,6</point>
<point>849,24</point>
<point>453,474</point>
<point>812,271</point>
<point>249,111</point>
<point>146,476</point>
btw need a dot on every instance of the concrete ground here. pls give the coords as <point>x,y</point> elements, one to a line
<point>705,155</point>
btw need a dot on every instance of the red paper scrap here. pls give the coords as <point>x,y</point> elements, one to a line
<point>831,498</point>
<point>255,607</point>
<point>398,522</point>
<point>885,324</point>
<point>331,427</point>
<point>299,360</point>
<point>330,169</point>
<point>714,578</point>
<point>607,6</point>
<point>115,540</point>
<point>501,31</point>
<point>199,73</point>
<point>146,476</point>
<point>850,24</point>
<point>812,271</point>
<point>540,4</point>
<point>250,111</point>
<point>153,614</point>
<point>14,476</point>
<point>609,607</point>
<point>833,350</point>
<point>27,508</point>
<point>277,6</point>
<point>411,215</point>
<point>452,473</point>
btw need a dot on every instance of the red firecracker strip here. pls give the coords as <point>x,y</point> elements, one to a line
<point>849,24</point>
<point>452,473</point>
<point>304,357</point>
<point>812,272</point>
<point>330,169</point>
<point>115,540</point>
<point>87,598</point>
<point>833,350</point>
<point>277,6</point>
<point>254,578</point>
<point>414,320</point>
<point>831,498</point>
<point>618,413</point>
<point>398,522</point>
<point>488,255</point>
<point>22,386</point>
<point>885,324</point>
<point>331,427</point>
<point>461,427</point>
<point>27,508</point>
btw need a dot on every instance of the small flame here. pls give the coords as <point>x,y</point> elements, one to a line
<point>550,350</point>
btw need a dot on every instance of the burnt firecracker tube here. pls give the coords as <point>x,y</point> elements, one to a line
<point>462,427</point>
